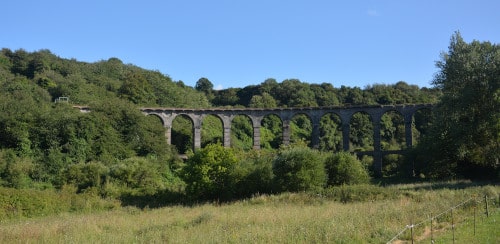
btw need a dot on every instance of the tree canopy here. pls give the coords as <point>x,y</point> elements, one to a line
<point>465,138</point>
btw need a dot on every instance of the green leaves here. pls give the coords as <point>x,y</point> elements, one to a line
<point>208,173</point>
<point>466,118</point>
<point>299,169</point>
<point>345,168</point>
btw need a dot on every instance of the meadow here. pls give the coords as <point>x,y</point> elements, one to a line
<point>348,214</point>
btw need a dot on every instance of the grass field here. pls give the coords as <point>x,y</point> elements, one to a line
<point>285,218</point>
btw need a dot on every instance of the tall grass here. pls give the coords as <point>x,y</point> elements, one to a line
<point>28,203</point>
<point>284,218</point>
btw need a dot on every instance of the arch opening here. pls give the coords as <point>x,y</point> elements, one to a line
<point>301,129</point>
<point>212,130</point>
<point>242,132</point>
<point>182,133</point>
<point>392,131</point>
<point>271,132</point>
<point>330,137</point>
<point>361,132</point>
<point>421,122</point>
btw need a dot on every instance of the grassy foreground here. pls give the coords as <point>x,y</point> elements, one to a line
<point>285,218</point>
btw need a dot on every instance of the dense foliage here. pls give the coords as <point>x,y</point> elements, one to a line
<point>299,169</point>
<point>464,140</point>
<point>344,168</point>
<point>208,173</point>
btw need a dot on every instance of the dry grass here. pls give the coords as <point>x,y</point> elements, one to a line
<point>288,218</point>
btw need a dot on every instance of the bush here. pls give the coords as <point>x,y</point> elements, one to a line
<point>16,171</point>
<point>208,173</point>
<point>17,203</point>
<point>254,173</point>
<point>140,175</point>
<point>299,169</point>
<point>85,175</point>
<point>345,168</point>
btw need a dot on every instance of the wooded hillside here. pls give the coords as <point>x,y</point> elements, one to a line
<point>116,149</point>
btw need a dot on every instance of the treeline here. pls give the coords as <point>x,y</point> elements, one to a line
<point>117,152</point>
<point>294,93</point>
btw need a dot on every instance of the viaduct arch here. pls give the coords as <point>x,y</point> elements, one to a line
<point>226,115</point>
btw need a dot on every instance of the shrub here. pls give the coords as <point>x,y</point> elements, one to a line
<point>85,175</point>
<point>208,173</point>
<point>345,168</point>
<point>299,169</point>
<point>141,175</point>
<point>17,203</point>
<point>254,173</point>
<point>18,173</point>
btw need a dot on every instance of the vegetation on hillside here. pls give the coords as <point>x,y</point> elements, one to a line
<point>118,153</point>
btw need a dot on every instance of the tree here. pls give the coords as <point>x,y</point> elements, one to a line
<point>294,93</point>
<point>137,89</point>
<point>263,101</point>
<point>299,168</point>
<point>227,97</point>
<point>345,168</point>
<point>465,137</point>
<point>205,86</point>
<point>208,173</point>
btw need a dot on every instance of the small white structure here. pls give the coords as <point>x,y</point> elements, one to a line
<point>62,100</point>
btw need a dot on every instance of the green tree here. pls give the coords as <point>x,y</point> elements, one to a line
<point>299,168</point>
<point>325,94</point>
<point>227,97</point>
<point>263,101</point>
<point>140,174</point>
<point>137,89</point>
<point>345,168</point>
<point>293,93</point>
<point>208,173</point>
<point>85,175</point>
<point>204,85</point>
<point>465,138</point>
<point>253,174</point>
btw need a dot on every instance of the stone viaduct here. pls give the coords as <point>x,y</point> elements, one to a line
<point>226,115</point>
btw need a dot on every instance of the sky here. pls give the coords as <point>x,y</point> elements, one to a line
<point>240,43</point>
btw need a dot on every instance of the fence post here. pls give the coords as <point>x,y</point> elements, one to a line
<point>411,231</point>
<point>432,234</point>
<point>452,226</point>
<point>475,206</point>
<point>486,202</point>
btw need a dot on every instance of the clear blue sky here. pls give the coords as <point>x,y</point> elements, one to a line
<point>239,43</point>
